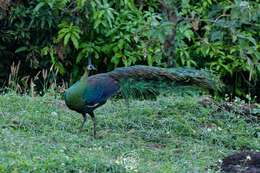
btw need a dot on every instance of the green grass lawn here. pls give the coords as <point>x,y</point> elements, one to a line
<point>171,134</point>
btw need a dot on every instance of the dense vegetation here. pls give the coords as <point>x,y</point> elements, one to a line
<point>53,38</point>
<point>173,134</point>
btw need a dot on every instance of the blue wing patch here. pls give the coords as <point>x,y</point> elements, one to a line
<point>100,89</point>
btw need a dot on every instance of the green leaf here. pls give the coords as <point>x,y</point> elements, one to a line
<point>65,30</point>
<point>251,39</point>
<point>66,39</point>
<point>81,3</point>
<point>60,68</point>
<point>76,34</point>
<point>53,58</point>
<point>188,34</point>
<point>50,3</point>
<point>45,51</point>
<point>61,36</point>
<point>116,58</point>
<point>75,41</point>
<point>21,49</point>
<point>80,56</point>
<point>38,6</point>
<point>121,44</point>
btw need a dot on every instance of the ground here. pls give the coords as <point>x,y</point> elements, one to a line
<point>171,134</point>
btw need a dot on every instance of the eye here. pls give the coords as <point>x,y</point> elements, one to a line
<point>91,67</point>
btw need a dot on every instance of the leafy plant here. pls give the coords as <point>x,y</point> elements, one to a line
<point>69,32</point>
<point>221,36</point>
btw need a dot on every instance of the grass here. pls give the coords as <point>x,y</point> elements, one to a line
<point>172,134</point>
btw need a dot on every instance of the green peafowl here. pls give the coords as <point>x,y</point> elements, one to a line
<point>89,93</point>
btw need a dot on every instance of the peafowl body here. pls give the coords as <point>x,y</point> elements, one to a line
<point>91,92</point>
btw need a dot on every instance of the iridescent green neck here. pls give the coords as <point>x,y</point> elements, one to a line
<point>84,78</point>
<point>82,83</point>
<point>74,95</point>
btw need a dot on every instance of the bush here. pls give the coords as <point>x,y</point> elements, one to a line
<point>62,34</point>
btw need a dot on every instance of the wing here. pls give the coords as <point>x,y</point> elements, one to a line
<point>100,88</point>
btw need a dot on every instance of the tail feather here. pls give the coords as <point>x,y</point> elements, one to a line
<point>178,75</point>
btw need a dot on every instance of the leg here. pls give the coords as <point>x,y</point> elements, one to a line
<point>83,122</point>
<point>92,115</point>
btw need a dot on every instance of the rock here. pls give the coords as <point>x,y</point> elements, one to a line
<point>242,162</point>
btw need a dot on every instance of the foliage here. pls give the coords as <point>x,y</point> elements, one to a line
<point>222,36</point>
<point>171,134</point>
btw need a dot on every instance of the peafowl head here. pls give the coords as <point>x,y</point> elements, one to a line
<point>89,67</point>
